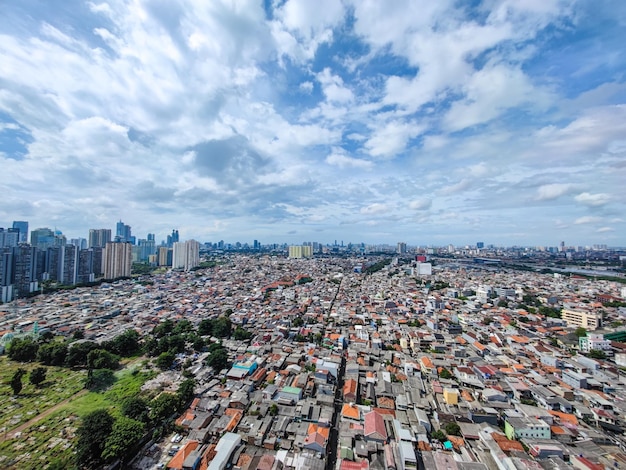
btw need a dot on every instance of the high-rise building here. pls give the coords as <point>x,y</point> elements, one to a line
<point>69,265</point>
<point>24,270</point>
<point>186,255</point>
<point>22,226</point>
<point>480,245</point>
<point>146,248</point>
<point>99,237</point>
<point>6,274</point>
<point>81,243</point>
<point>42,238</point>
<point>173,238</point>
<point>9,237</point>
<point>123,233</point>
<point>401,248</point>
<point>52,266</point>
<point>300,251</point>
<point>165,256</point>
<point>86,265</point>
<point>117,260</point>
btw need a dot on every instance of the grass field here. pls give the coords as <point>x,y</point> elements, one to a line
<point>52,438</point>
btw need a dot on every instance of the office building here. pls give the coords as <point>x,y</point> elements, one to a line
<point>22,226</point>
<point>173,238</point>
<point>123,233</point>
<point>81,243</point>
<point>117,260</point>
<point>401,248</point>
<point>86,271</point>
<point>6,274</point>
<point>24,270</point>
<point>42,238</point>
<point>99,237</point>
<point>68,265</point>
<point>9,237</point>
<point>186,255</point>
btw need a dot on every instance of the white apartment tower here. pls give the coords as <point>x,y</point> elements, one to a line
<point>186,255</point>
<point>116,260</point>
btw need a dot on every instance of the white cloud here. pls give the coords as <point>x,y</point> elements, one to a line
<point>605,230</point>
<point>307,87</point>
<point>593,200</point>
<point>391,138</point>
<point>549,192</point>
<point>588,219</point>
<point>341,160</point>
<point>375,209</point>
<point>333,87</point>
<point>420,204</point>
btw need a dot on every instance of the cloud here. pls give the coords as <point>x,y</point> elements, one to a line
<point>605,230</point>
<point>420,204</point>
<point>549,192</point>
<point>375,209</point>
<point>587,220</point>
<point>390,139</point>
<point>593,200</point>
<point>339,159</point>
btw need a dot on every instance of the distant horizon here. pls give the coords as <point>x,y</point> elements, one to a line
<point>501,121</point>
<point>244,239</point>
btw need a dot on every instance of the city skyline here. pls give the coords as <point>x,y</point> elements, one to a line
<point>426,123</point>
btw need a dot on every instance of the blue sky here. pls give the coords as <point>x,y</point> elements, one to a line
<point>501,121</point>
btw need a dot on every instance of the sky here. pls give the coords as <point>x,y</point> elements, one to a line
<point>427,122</point>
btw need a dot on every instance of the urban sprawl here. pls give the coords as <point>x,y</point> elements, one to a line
<point>355,357</point>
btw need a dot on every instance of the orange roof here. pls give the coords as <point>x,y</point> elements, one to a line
<point>323,431</point>
<point>564,417</point>
<point>427,362</point>
<point>178,460</point>
<point>349,411</point>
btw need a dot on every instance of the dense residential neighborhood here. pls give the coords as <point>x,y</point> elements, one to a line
<point>469,366</point>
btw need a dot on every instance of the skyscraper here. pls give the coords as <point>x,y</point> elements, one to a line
<point>186,255</point>
<point>123,233</point>
<point>22,226</point>
<point>117,260</point>
<point>9,237</point>
<point>99,237</point>
<point>42,238</point>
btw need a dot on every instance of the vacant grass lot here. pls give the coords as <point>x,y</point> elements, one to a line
<point>52,438</point>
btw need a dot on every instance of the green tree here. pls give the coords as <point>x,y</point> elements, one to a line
<point>22,350</point>
<point>165,360</point>
<point>242,334</point>
<point>77,353</point>
<point>16,381</point>
<point>163,328</point>
<point>580,332</point>
<point>445,374</point>
<point>163,406</point>
<point>102,359</point>
<point>135,408</point>
<point>92,435</point>
<point>124,435</point>
<point>273,409</point>
<point>440,435</point>
<point>125,344</point>
<point>205,327</point>
<point>99,379</point>
<point>222,327</point>
<point>597,354</point>
<point>186,392</point>
<point>218,359</point>
<point>52,354</point>
<point>453,429</point>
<point>37,376</point>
